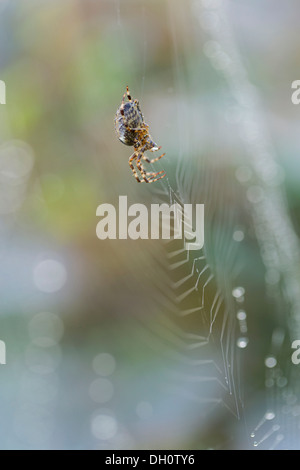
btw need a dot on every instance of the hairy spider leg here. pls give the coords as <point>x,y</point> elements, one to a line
<point>142,171</point>
<point>153,159</point>
<point>145,174</point>
<point>128,94</point>
<point>140,166</point>
<point>131,159</point>
<point>153,179</point>
<point>148,173</point>
<point>122,105</point>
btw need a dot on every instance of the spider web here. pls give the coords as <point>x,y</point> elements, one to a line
<point>279,245</point>
<point>204,297</point>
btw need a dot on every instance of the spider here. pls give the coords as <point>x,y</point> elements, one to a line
<point>132,130</point>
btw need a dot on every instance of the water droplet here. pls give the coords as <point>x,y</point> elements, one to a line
<point>270,362</point>
<point>241,315</point>
<point>242,342</point>
<point>238,235</point>
<point>16,162</point>
<point>281,382</point>
<point>238,292</point>
<point>104,426</point>
<point>49,276</point>
<point>269,383</point>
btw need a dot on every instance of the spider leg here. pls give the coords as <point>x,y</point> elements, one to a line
<point>154,149</point>
<point>153,179</point>
<point>131,159</point>
<point>141,168</point>
<point>148,173</point>
<point>153,159</point>
<point>153,172</point>
<point>148,177</point>
<point>122,105</point>
<point>128,94</point>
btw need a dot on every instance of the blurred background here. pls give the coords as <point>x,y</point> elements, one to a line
<point>123,344</point>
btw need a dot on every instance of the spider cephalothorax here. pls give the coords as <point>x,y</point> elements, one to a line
<point>132,130</point>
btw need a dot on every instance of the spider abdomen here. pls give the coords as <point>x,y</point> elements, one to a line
<point>131,119</point>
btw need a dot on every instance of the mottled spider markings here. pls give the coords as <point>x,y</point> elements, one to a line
<point>133,131</point>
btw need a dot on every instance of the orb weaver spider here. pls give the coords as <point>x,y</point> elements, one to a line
<point>133,131</point>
